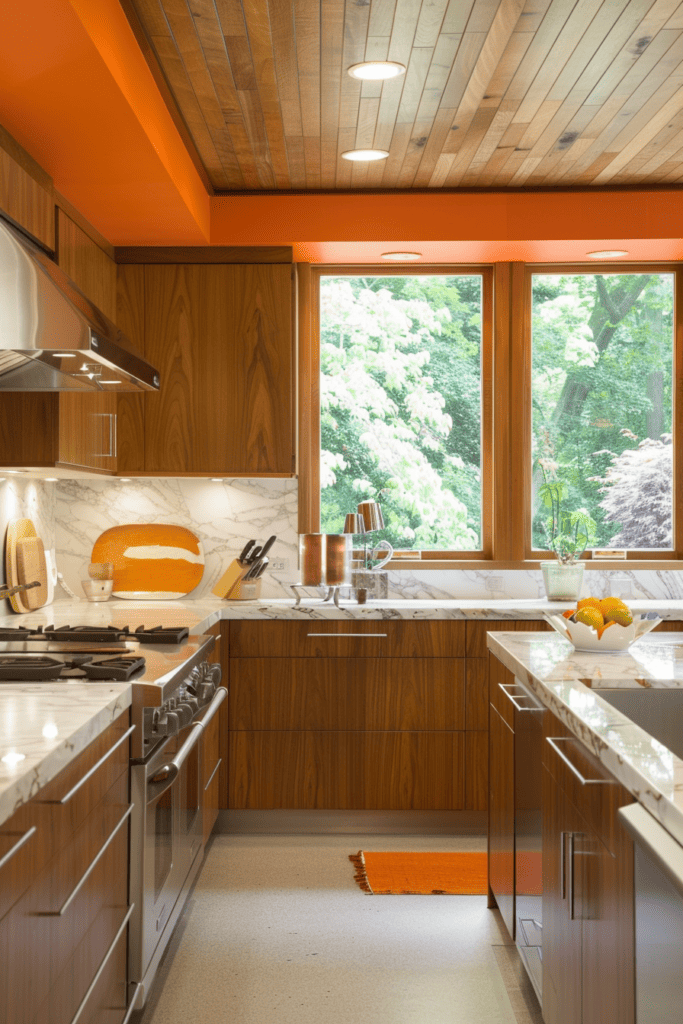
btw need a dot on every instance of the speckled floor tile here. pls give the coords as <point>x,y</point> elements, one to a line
<point>276,930</point>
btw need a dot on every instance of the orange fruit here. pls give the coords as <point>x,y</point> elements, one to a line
<point>590,617</point>
<point>568,614</point>
<point>603,628</point>
<point>589,602</point>
<point>608,603</point>
<point>622,616</point>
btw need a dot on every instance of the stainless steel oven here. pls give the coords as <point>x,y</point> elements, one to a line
<point>166,841</point>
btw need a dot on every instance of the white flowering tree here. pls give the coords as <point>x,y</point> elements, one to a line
<point>637,495</point>
<point>385,428</point>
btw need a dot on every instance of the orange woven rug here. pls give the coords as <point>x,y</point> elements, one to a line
<point>420,874</point>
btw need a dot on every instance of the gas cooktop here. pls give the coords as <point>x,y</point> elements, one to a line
<point>40,669</point>
<point>96,634</point>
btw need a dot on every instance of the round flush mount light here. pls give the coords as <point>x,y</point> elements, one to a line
<point>377,70</point>
<point>365,154</point>
<point>607,254</point>
<point>402,257</point>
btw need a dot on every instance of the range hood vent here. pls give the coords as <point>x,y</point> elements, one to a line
<point>52,338</point>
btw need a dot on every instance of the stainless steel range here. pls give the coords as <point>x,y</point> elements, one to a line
<point>176,692</point>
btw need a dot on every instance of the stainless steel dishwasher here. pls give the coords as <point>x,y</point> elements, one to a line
<point>528,829</point>
<point>658,918</point>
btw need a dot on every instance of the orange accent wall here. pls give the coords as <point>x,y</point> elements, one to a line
<point>76,92</point>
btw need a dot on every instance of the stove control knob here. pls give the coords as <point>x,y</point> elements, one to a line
<point>184,713</point>
<point>165,723</point>
<point>193,703</point>
<point>206,691</point>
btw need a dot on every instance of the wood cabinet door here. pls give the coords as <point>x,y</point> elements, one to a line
<point>564,837</point>
<point>87,422</point>
<point>502,817</point>
<point>221,337</point>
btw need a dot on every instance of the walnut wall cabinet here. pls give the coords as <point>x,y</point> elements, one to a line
<point>66,428</point>
<point>64,892</point>
<point>221,336</point>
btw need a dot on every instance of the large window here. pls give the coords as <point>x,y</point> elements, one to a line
<point>602,374</point>
<point>401,405</point>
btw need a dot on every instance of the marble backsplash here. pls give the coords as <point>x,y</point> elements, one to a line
<point>224,515</point>
<point>70,515</point>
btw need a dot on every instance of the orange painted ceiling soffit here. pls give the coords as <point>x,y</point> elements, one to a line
<point>76,92</point>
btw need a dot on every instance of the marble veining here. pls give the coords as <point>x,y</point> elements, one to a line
<point>553,670</point>
<point>50,724</point>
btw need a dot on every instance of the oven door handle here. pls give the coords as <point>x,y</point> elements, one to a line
<point>218,698</point>
<point>164,777</point>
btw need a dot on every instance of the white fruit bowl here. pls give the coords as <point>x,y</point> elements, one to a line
<point>616,638</point>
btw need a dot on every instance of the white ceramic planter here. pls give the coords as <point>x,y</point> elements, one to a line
<point>562,582</point>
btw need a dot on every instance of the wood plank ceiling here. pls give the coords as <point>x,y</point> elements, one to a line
<point>497,94</point>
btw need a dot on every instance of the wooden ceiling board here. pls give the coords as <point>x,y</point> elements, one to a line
<point>497,93</point>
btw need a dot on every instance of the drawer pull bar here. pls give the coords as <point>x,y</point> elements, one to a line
<point>131,1005</point>
<point>18,845</point>
<point>512,700</point>
<point>563,864</point>
<point>100,969</point>
<point>553,741</point>
<point>93,864</point>
<point>218,764</point>
<point>88,775</point>
<point>343,636</point>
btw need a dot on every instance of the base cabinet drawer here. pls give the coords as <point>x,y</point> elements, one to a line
<point>347,770</point>
<point>334,638</point>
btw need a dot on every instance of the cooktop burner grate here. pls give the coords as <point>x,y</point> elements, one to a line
<point>41,669</point>
<point>88,634</point>
<point>14,633</point>
<point>160,635</point>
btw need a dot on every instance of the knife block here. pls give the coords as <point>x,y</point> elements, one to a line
<point>231,586</point>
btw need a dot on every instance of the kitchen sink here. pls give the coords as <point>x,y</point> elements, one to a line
<point>658,712</point>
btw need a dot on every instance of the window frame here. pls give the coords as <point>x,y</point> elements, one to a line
<point>506,411</point>
<point>309,430</point>
<point>521,418</point>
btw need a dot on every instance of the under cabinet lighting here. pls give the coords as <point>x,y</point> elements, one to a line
<point>51,479</point>
<point>64,355</point>
<point>607,254</point>
<point>377,70</point>
<point>124,479</point>
<point>365,154</point>
<point>216,479</point>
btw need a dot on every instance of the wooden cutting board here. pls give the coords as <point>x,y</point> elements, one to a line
<point>31,566</point>
<point>152,561</point>
<point>17,529</point>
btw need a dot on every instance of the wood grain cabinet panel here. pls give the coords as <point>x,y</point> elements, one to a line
<point>221,337</point>
<point>26,192</point>
<point>347,770</point>
<point>334,638</point>
<point>348,694</point>
<point>477,630</point>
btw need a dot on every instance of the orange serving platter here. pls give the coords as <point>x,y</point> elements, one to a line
<point>152,561</point>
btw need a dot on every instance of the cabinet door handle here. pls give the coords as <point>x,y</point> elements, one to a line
<point>563,863</point>
<point>343,636</point>
<point>81,782</point>
<point>131,1005</point>
<point>218,764</point>
<point>100,969</point>
<point>553,741</point>
<point>18,845</point>
<point>503,687</point>
<point>84,878</point>
<point>571,876</point>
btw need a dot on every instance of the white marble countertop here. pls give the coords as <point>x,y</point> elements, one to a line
<point>205,612</point>
<point>43,726</point>
<point>553,670</point>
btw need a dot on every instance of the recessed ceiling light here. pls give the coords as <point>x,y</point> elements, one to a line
<point>377,70</point>
<point>365,154</point>
<point>401,257</point>
<point>606,254</point>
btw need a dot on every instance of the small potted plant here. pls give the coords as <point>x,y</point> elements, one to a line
<point>568,535</point>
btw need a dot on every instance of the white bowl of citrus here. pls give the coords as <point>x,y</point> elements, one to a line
<point>601,624</point>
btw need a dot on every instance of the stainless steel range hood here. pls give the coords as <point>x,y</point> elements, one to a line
<point>52,338</point>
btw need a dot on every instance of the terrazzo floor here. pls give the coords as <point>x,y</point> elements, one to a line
<point>277,932</point>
